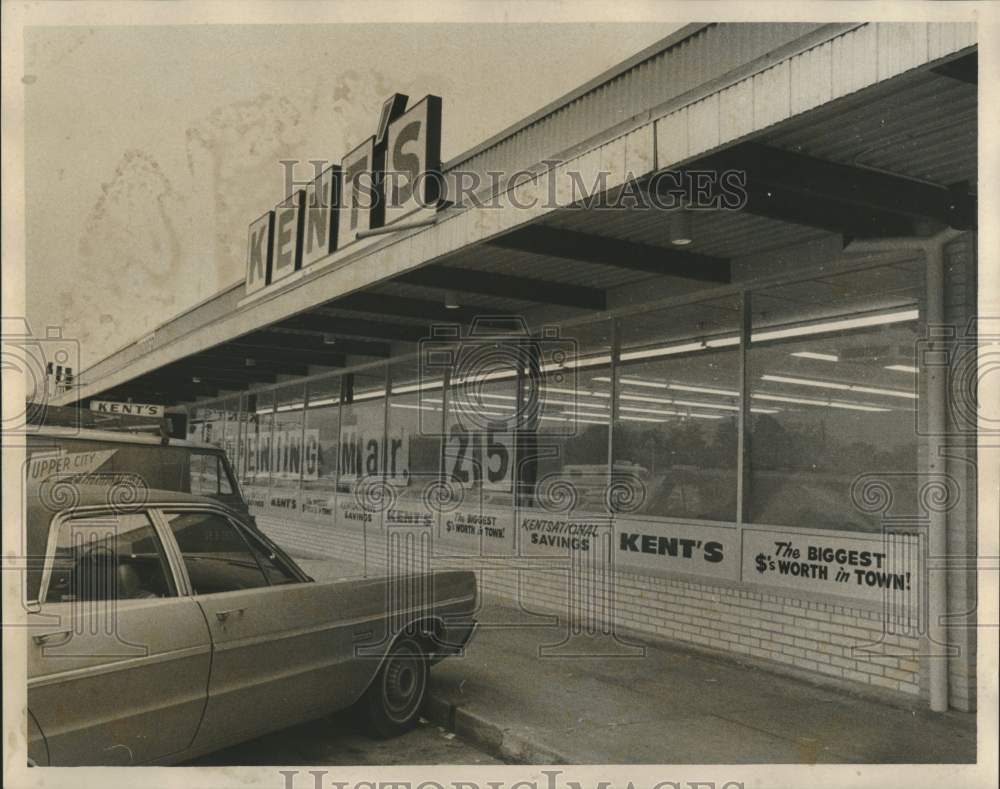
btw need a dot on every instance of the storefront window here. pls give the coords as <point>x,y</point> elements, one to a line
<point>482,418</point>
<point>362,429</point>
<point>413,441</point>
<point>230,430</point>
<point>257,465</point>
<point>834,386</point>
<point>566,455</point>
<point>676,432</point>
<point>286,440</point>
<point>319,467</point>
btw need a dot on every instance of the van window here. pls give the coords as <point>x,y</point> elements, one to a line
<point>208,475</point>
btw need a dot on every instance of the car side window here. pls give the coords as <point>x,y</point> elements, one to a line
<point>111,557</point>
<point>275,568</point>
<point>217,557</point>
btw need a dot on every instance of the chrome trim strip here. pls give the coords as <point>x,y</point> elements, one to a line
<point>126,664</point>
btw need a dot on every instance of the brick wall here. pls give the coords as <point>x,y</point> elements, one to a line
<point>833,641</point>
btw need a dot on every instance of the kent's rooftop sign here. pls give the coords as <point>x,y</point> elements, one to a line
<point>390,176</point>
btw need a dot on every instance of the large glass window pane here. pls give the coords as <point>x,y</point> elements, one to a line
<point>319,466</point>
<point>676,434</point>
<point>482,418</point>
<point>362,429</point>
<point>230,409</point>
<point>256,459</point>
<point>286,441</point>
<point>834,395</point>
<point>569,402</point>
<point>414,432</point>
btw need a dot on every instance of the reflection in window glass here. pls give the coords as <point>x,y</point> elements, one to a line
<point>319,471</point>
<point>571,422</point>
<point>414,430</point>
<point>108,558</point>
<point>204,474</point>
<point>676,436</point>
<point>216,556</point>
<point>257,457</point>
<point>835,394</point>
<point>362,428</point>
<point>286,436</point>
<point>230,410</point>
<point>481,421</point>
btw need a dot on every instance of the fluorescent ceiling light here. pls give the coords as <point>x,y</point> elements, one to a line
<point>598,406</point>
<point>324,401</point>
<point>837,325</point>
<point>721,342</point>
<point>782,379</point>
<point>369,395</point>
<point>415,407</point>
<point>592,361</point>
<point>417,387</point>
<point>704,390</point>
<point>827,403</point>
<point>821,357</point>
<point>664,350</point>
<point>902,368</point>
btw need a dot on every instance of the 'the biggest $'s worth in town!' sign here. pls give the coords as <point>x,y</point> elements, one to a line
<point>386,178</point>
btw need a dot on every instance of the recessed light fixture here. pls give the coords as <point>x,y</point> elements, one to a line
<point>680,228</point>
<point>820,357</point>
<point>451,300</point>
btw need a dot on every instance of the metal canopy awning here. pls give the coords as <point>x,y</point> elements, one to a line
<point>895,157</point>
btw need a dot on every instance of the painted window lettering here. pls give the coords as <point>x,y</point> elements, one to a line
<point>677,547</point>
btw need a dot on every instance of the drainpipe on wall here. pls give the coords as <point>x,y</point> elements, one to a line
<point>932,249</point>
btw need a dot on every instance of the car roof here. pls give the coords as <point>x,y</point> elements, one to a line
<point>85,433</point>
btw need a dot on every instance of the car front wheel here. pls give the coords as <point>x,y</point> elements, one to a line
<point>393,702</point>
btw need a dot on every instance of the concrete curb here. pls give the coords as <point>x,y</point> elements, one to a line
<point>502,743</point>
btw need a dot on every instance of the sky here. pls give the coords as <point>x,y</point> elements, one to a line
<point>149,150</point>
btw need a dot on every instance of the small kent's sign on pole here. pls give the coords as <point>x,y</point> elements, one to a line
<point>131,409</point>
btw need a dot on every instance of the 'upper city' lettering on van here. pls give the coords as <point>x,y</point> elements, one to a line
<point>386,178</point>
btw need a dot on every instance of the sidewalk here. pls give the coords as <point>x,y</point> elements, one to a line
<point>670,706</point>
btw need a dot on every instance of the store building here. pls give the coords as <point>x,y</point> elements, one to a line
<point>742,421</point>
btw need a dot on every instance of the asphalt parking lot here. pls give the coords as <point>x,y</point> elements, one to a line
<point>337,740</point>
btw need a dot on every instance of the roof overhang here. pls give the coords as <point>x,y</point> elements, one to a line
<point>800,119</point>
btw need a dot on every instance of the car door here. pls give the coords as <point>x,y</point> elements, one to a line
<point>118,662</point>
<point>281,647</point>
